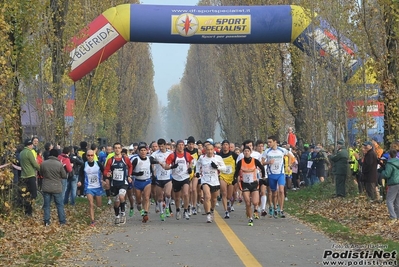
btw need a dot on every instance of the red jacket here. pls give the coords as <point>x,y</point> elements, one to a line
<point>65,162</point>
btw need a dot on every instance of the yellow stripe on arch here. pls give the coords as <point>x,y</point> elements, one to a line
<point>242,252</point>
<point>119,17</point>
<point>301,19</point>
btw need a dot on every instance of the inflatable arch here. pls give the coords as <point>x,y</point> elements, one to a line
<point>210,25</point>
<point>228,25</point>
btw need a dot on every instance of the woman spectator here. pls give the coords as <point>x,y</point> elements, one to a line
<point>391,174</point>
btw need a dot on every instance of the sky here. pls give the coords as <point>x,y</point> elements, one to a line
<point>166,55</point>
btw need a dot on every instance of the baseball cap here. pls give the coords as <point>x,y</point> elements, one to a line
<point>131,147</point>
<point>367,143</point>
<point>210,140</point>
<point>375,138</point>
<point>28,142</point>
<point>305,145</point>
<point>341,142</point>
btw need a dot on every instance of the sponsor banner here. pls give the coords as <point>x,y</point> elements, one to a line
<point>332,47</point>
<point>373,108</point>
<point>99,42</point>
<point>188,25</point>
<point>210,24</point>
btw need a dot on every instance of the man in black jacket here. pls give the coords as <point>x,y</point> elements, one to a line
<point>369,169</point>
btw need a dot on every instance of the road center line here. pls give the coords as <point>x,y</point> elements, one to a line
<point>242,252</point>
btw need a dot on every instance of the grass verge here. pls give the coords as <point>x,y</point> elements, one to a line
<point>316,207</point>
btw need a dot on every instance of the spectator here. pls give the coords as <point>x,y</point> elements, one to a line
<point>369,169</point>
<point>391,175</point>
<point>377,149</point>
<point>291,137</point>
<point>340,168</point>
<point>47,148</point>
<point>64,159</point>
<point>53,173</point>
<point>73,177</point>
<point>303,164</point>
<point>29,166</point>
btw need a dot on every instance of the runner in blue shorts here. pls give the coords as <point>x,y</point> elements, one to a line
<point>273,157</point>
<point>90,177</point>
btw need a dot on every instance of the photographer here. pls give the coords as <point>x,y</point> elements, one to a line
<point>391,175</point>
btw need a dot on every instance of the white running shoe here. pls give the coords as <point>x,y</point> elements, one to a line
<point>122,218</point>
<point>186,215</point>
<point>117,220</point>
<point>232,208</point>
<point>109,202</point>
<point>178,215</point>
<point>208,218</point>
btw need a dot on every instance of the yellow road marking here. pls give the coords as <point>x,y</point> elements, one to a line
<point>242,252</point>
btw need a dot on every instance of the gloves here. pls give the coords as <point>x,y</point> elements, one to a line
<point>138,173</point>
<point>197,175</point>
<point>213,164</point>
<point>189,170</point>
<point>174,166</point>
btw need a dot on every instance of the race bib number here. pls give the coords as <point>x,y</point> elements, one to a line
<point>118,175</point>
<point>248,178</point>
<point>146,172</point>
<point>310,164</point>
<point>229,169</point>
<point>164,173</point>
<point>93,179</point>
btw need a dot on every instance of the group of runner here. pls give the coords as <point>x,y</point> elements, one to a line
<point>196,174</point>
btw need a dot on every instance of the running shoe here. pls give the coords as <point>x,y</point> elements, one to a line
<point>131,212</point>
<point>189,211</point>
<point>142,212</point>
<point>271,212</point>
<point>263,213</point>
<point>186,215</point>
<point>162,216</point>
<point>145,218</point>
<point>256,215</point>
<point>250,222</point>
<point>282,215</point>
<point>167,212</point>
<point>122,218</point>
<point>286,199</point>
<point>152,201</point>
<point>228,208</point>
<point>217,204</point>
<point>93,223</point>
<point>194,211</point>
<point>109,202</point>
<point>172,202</point>
<point>117,220</point>
<point>208,218</point>
<point>157,209</point>
<point>232,208</point>
<point>178,215</point>
<point>226,215</point>
<point>275,214</point>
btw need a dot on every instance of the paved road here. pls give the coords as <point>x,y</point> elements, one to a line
<point>270,242</point>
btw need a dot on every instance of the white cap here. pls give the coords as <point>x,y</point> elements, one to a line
<point>131,147</point>
<point>210,140</point>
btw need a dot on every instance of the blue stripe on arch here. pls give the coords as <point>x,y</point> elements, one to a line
<point>152,23</point>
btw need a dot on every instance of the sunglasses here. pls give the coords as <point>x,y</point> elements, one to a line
<point>90,155</point>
